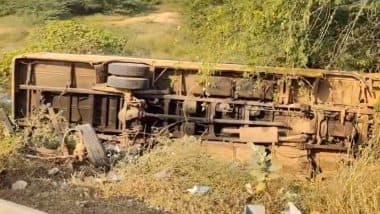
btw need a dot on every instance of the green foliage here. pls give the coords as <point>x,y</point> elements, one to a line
<point>67,37</point>
<point>5,64</point>
<point>58,9</point>
<point>73,37</point>
<point>314,33</point>
<point>9,147</point>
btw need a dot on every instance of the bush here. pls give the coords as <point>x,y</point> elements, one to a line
<point>58,9</point>
<point>313,33</point>
<point>67,37</point>
<point>73,37</point>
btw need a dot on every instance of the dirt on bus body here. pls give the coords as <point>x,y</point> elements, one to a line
<point>298,115</point>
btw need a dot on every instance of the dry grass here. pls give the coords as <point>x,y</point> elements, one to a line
<point>14,31</point>
<point>354,189</point>
<point>9,149</point>
<point>157,35</point>
<point>161,178</point>
<point>185,165</point>
<point>45,128</point>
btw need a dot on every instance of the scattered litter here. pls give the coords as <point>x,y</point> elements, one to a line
<point>6,101</point>
<point>81,203</point>
<point>64,185</point>
<point>199,190</point>
<point>113,152</point>
<point>53,171</point>
<point>292,209</point>
<point>249,189</point>
<point>85,193</point>
<point>162,175</point>
<point>254,209</point>
<point>113,176</point>
<point>19,185</point>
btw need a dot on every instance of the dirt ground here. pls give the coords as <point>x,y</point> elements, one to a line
<point>60,193</point>
<point>55,194</point>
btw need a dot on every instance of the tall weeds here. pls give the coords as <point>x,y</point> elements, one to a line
<point>354,189</point>
<point>162,177</point>
<point>9,148</point>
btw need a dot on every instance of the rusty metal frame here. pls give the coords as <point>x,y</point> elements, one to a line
<point>106,120</point>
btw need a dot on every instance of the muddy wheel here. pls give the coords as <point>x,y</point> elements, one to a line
<point>128,69</point>
<point>131,83</point>
<point>95,151</point>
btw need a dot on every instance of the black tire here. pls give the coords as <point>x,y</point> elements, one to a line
<point>128,69</point>
<point>95,151</point>
<point>130,83</point>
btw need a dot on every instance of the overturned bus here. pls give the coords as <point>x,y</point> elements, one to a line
<point>316,110</point>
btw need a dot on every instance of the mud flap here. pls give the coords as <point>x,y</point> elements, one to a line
<point>95,150</point>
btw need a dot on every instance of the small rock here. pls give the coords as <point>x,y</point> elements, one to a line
<point>19,185</point>
<point>53,171</point>
<point>200,190</point>
<point>164,174</point>
<point>254,209</point>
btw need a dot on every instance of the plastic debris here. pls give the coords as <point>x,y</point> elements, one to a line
<point>249,188</point>
<point>199,190</point>
<point>254,209</point>
<point>114,177</point>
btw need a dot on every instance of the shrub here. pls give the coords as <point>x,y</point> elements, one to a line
<point>9,147</point>
<point>58,9</point>
<point>67,37</point>
<point>313,33</point>
<point>73,37</point>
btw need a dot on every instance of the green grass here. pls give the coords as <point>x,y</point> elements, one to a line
<point>14,30</point>
<point>158,35</point>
